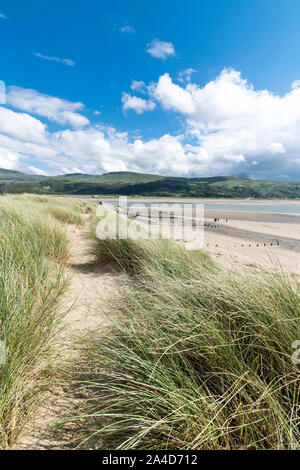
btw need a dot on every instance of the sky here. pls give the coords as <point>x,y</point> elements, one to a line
<point>195,88</point>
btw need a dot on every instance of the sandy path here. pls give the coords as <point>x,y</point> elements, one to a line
<point>91,287</point>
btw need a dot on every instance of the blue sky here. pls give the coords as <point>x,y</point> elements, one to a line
<point>194,88</point>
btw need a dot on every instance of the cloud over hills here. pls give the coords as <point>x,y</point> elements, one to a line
<point>229,127</point>
<point>229,117</point>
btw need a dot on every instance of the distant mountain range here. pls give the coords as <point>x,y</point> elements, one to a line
<point>142,184</point>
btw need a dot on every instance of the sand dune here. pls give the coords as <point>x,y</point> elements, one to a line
<point>90,290</point>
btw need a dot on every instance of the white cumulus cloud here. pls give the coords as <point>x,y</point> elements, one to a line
<point>228,116</point>
<point>36,171</point>
<point>139,105</point>
<point>55,109</point>
<point>160,49</point>
<point>227,127</point>
<point>21,126</point>
<point>138,86</point>
<point>276,147</point>
<point>8,160</point>
<point>173,96</point>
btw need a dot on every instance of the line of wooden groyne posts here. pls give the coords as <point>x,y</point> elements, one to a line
<point>160,216</point>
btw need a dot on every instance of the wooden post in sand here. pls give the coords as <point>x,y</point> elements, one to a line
<point>160,223</point>
<point>149,222</point>
<point>172,221</point>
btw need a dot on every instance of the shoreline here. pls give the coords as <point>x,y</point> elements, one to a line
<point>240,238</point>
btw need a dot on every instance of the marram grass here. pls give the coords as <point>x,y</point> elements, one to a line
<point>196,357</point>
<point>33,252</point>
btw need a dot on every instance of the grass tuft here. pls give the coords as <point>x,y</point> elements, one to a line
<point>196,358</point>
<point>33,252</point>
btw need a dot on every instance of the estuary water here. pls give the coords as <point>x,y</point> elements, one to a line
<point>278,207</point>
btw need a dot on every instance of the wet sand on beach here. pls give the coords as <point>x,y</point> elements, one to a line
<point>251,239</point>
<point>242,238</point>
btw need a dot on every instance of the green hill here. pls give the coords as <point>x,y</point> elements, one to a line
<point>129,177</point>
<point>118,177</point>
<point>142,184</point>
<point>11,176</point>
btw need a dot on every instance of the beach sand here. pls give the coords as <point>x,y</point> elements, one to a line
<point>254,239</point>
<point>239,238</point>
<point>252,250</point>
<point>242,251</point>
